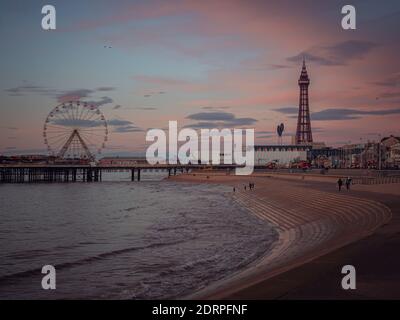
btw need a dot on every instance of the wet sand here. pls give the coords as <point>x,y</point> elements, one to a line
<point>320,231</point>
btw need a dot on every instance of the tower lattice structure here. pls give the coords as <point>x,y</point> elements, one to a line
<point>303,132</point>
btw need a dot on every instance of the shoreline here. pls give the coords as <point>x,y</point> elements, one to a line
<point>310,225</point>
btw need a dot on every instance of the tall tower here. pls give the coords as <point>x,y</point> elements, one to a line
<point>303,132</point>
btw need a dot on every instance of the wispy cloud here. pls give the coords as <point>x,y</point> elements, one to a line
<point>26,89</point>
<point>123,126</point>
<point>103,101</point>
<point>9,128</point>
<point>145,108</point>
<point>287,110</point>
<point>349,114</point>
<point>159,81</point>
<point>335,55</point>
<point>216,108</point>
<point>339,113</point>
<point>63,96</point>
<point>391,81</point>
<point>218,119</point>
<point>105,89</point>
<point>126,129</point>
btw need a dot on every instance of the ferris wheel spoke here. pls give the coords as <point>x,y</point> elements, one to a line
<point>64,135</point>
<point>60,135</point>
<point>66,112</point>
<point>70,112</point>
<point>86,141</point>
<point>101,132</point>
<point>55,130</point>
<point>73,111</point>
<point>85,137</point>
<point>58,126</point>
<point>93,134</point>
<point>91,137</point>
<point>91,143</point>
<point>93,130</point>
<point>52,133</point>
<point>82,112</point>
<point>56,135</point>
<point>57,141</point>
<point>61,115</point>
<point>79,111</point>
<point>89,112</point>
<point>86,118</point>
<point>94,114</point>
<point>76,112</point>
<point>57,147</point>
<point>90,118</point>
<point>86,113</point>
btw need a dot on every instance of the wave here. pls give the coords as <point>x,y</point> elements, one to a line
<point>65,265</point>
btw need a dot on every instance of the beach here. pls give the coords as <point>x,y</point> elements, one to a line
<point>320,231</point>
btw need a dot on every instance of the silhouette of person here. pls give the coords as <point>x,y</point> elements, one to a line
<point>348,183</point>
<point>340,183</point>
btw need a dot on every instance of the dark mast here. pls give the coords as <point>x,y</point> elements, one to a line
<point>303,132</point>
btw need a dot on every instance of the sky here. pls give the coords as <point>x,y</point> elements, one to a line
<point>205,64</point>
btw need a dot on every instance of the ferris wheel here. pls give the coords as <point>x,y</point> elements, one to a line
<point>75,130</point>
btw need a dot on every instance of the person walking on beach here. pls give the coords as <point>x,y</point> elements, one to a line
<point>348,183</point>
<point>340,183</point>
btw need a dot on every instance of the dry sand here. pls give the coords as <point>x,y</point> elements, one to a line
<point>312,220</point>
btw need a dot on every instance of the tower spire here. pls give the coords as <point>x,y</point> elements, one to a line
<point>303,132</point>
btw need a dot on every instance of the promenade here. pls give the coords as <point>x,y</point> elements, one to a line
<point>313,220</point>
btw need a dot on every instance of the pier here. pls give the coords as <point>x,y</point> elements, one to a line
<point>73,173</point>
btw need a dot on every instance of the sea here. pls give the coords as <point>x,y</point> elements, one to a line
<point>117,239</point>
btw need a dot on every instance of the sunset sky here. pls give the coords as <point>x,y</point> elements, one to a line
<point>224,63</point>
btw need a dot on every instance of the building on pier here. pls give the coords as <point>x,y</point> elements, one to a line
<point>122,161</point>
